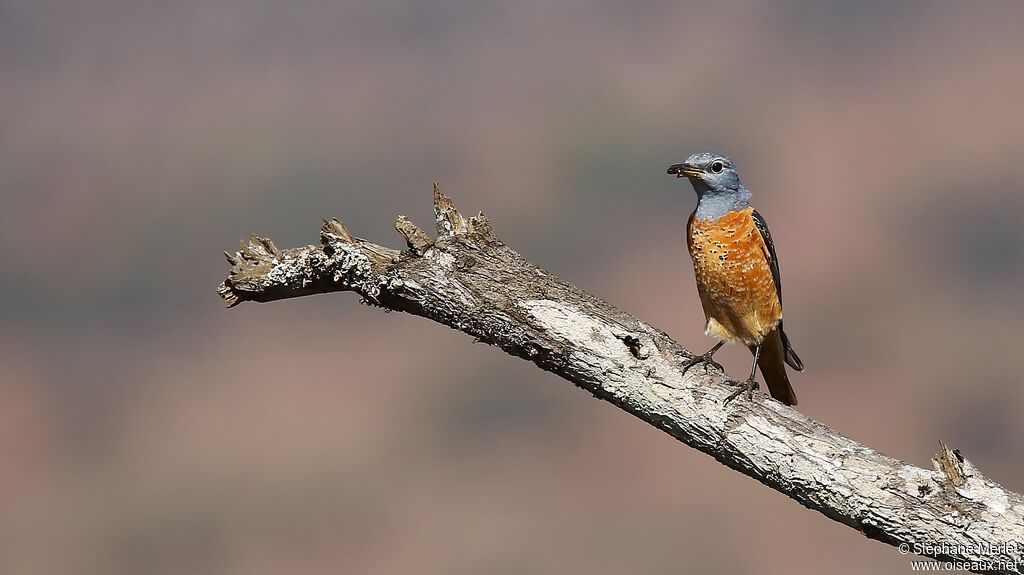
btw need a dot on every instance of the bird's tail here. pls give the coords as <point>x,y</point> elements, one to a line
<point>774,355</point>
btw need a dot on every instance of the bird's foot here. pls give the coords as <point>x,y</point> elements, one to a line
<point>747,387</point>
<point>707,359</point>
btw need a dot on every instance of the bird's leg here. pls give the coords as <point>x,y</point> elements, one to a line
<point>748,386</point>
<point>707,358</point>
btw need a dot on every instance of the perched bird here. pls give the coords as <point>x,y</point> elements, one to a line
<point>737,274</point>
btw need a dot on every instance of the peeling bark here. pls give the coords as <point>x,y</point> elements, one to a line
<point>470,281</point>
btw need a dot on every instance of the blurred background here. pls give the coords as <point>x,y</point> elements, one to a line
<point>144,429</point>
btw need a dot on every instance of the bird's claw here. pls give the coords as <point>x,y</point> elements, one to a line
<point>706,359</point>
<point>747,386</point>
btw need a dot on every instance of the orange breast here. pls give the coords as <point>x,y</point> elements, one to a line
<point>734,277</point>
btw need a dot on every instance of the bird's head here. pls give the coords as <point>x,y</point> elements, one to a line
<point>709,173</point>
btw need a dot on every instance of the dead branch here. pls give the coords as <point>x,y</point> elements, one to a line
<point>470,281</point>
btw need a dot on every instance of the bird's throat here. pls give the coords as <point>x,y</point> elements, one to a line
<point>712,205</point>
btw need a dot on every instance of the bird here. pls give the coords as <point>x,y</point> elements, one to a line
<point>737,273</point>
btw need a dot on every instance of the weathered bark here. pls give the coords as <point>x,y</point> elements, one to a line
<point>468,280</point>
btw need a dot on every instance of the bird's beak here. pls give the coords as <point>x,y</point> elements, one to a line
<point>685,171</point>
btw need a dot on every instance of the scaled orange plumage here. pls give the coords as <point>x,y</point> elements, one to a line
<point>734,277</point>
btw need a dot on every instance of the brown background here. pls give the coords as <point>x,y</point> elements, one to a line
<point>143,429</point>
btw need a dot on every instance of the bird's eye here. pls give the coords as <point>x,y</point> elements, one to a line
<point>717,167</point>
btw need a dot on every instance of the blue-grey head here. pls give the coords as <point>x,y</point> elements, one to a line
<point>717,183</point>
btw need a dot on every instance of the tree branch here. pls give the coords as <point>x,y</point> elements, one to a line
<point>470,281</point>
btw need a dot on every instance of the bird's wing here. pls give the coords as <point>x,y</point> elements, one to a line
<point>773,261</point>
<point>762,227</point>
